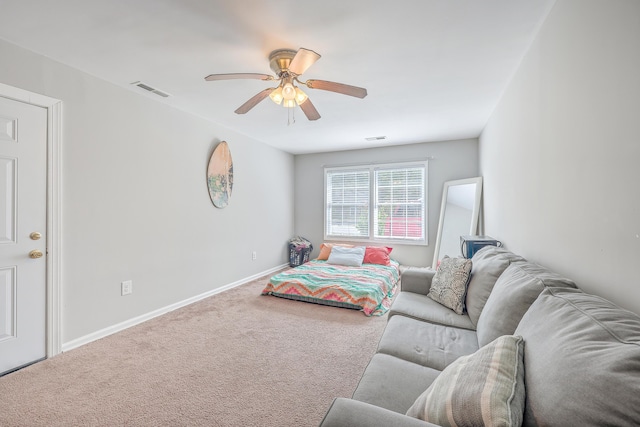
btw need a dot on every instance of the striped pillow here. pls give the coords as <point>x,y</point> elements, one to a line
<point>483,388</point>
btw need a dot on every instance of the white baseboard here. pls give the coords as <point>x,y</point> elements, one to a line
<point>143,318</point>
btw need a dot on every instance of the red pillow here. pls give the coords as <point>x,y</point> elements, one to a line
<point>377,255</point>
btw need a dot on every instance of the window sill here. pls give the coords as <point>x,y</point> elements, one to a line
<point>377,242</point>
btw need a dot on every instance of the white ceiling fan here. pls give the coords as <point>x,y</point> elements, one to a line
<point>289,65</point>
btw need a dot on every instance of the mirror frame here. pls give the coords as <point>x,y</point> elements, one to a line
<point>473,229</point>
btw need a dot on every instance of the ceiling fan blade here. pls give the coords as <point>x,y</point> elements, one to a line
<point>310,110</point>
<point>358,92</point>
<point>244,108</point>
<point>234,76</point>
<point>304,59</point>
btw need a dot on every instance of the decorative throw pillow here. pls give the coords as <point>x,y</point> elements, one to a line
<point>377,255</point>
<point>449,285</point>
<point>351,257</point>
<point>325,250</point>
<point>483,388</point>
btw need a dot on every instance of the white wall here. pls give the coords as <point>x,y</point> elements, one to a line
<point>560,153</point>
<point>452,160</point>
<point>135,201</point>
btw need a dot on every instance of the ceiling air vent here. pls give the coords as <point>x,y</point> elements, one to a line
<point>151,89</point>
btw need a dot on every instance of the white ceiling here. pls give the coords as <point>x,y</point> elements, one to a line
<point>434,69</point>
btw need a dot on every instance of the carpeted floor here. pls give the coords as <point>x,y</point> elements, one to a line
<point>234,359</point>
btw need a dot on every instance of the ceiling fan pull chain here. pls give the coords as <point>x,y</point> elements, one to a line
<point>291,118</point>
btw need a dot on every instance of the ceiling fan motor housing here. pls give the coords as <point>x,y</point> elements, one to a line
<point>280,59</point>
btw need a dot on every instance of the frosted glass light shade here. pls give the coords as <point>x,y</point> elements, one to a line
<point>276,95</point>
<point>300,96</point>
<point>288,91</point>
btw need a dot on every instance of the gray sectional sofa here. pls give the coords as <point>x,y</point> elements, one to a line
<point>581,352</point>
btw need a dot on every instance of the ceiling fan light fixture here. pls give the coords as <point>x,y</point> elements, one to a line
<point>300,96</point>
<point>288,91</point>
<point>276,95</point>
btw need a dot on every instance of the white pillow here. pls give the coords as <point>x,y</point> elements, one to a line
<point>351,257</point>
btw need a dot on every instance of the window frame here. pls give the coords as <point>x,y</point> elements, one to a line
<point>372,168</point>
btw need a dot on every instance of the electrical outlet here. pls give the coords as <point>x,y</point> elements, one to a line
<point>254,255</point>
<point>127,287</point>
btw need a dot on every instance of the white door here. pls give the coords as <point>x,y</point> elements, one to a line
<point>23,198</point>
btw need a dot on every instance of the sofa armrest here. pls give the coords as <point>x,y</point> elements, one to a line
<point>417,280</point>
<point>353,413</point>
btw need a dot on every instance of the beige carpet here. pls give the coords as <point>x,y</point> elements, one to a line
<point>234,359</point>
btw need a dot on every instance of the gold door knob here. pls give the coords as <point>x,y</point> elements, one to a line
<point>35,254</point>
<point>35,235</point>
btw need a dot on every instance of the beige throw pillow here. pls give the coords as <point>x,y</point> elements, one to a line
<point>483,388</point>
<point>449,285</point>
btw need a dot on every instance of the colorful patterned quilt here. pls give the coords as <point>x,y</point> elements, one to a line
<point>369,288</point>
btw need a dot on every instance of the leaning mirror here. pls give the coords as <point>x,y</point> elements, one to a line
<point>458,216</point>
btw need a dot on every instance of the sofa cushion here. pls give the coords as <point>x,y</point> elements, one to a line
<point>582,361</point>
<point>353,413</point>
<point>488,264</point>
<point>417,280</point>
<point>421,307</point>
<point>426,344</point>
<point>449,285</point>
<point>512,295</point>
<point>393,383</point>
<point>484,388</point>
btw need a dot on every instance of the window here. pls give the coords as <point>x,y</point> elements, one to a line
<point>399,204</point>
<point>376,203</point>
<point>347,203</point>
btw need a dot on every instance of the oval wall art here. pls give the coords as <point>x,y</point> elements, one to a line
<point>220,175</point>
